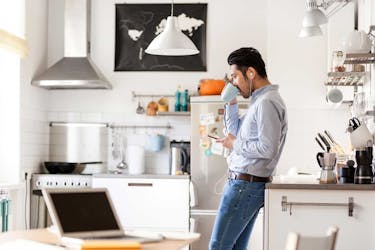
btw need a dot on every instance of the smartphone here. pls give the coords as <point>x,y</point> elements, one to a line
<point>213,137</point>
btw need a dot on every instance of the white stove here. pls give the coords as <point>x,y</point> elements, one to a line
<point>39,217</point>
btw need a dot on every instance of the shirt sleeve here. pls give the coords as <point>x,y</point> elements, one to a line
<point>231,118</point>
<point>269,126</point>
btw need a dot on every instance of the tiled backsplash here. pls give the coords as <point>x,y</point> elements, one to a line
<point>156,162</point>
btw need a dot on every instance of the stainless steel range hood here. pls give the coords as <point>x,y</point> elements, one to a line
<point>75,70</point>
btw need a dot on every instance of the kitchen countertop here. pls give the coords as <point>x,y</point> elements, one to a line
<point>299,186</point>
<point>141,176</point>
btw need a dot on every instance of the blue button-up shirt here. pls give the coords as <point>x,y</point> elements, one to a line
<point>260,133</point>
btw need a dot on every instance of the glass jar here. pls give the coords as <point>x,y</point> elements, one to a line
<point>338,59</point>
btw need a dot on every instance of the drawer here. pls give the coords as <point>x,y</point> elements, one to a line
<point>160,204</point>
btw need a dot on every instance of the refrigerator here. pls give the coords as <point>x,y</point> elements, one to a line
<point>208,163</point>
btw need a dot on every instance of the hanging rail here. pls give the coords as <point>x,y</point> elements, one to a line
<point>135,95</point>
<point>113,126</point>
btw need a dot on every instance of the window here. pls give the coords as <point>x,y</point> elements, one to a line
<point>12,48</point>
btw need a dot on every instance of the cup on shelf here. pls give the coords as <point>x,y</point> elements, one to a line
<point>334,97</point>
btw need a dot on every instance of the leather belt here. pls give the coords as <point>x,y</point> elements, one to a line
<point>247,177</point>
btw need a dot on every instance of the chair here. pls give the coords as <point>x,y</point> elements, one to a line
<point>297,242</point>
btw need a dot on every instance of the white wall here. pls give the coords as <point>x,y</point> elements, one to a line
<point>298,65</point>
<point>225,32</point>
<point>34,106</point>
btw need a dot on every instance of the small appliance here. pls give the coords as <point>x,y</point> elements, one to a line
<point>327,161</point>
<point>363,173</point>
<point>179,157</point>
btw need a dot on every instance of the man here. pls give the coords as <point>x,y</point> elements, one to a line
<point>256,140</point>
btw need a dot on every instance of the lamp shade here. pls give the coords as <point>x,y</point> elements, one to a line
<point>172,42</point>
<point>314,17</point>
<point>310,31</point>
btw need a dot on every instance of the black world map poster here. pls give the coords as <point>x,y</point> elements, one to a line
<point>138,24</point>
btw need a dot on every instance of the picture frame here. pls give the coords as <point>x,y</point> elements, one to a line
<point>138,24</point>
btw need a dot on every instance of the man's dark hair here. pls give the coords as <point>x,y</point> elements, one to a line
<point>248,57</point>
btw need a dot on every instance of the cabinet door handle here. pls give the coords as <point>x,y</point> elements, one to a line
<point>144,184</point>
<point>285,204</point>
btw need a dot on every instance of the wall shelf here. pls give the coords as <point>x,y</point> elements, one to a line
<point>360,58</point>
<point>177,113</point>
<point>122,126</point>
<point>345,78</point>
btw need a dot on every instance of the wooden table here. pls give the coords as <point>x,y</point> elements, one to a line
<point>46,236</point>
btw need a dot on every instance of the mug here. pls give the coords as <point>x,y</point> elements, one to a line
<point>361,137</point>
<point>334,96</point>
<point>155,143</point>
<point>229,92</point>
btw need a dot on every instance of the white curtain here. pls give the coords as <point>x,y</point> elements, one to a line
<point>12,26</point>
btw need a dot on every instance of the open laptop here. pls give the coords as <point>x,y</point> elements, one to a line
<point>86,214</point>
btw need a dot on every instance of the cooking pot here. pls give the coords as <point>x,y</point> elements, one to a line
<point>211,86</point>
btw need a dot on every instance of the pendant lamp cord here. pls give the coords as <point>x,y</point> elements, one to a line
<point>172,9</point>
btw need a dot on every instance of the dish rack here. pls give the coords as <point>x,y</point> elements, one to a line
<point>346,78</point>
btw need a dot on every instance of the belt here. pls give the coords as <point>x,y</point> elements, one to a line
<point>247,177</point>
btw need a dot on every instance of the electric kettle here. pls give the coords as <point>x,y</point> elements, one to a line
<point>179,158</point>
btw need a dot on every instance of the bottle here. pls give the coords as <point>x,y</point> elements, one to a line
<point>177,105</point>
<point>185,96</point>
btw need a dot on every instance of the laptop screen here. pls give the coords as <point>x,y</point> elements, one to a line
<point>82,212</point>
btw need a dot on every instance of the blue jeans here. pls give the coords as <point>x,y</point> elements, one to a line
<point>239,206</point>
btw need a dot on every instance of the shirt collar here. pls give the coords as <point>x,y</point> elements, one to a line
<point>264,89</point>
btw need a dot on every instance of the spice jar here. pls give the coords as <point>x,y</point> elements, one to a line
<point>338,58</point>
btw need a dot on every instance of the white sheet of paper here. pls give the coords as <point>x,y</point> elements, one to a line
<point>207,119</point>
<point>216,148</point>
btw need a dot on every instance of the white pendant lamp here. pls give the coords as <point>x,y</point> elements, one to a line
<point>310,31</point>
<point>313,16</point>
<point>172,42</point>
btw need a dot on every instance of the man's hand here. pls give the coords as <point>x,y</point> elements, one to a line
<point>227,141</point>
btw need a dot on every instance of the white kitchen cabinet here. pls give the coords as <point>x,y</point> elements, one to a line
<point>355,232</point>
<point>149,203</point>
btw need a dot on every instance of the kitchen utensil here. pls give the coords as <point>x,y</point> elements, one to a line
<point>326,143</point>
<point>122,164</point>
<point>136,159</point>
<point>63,167</point>
<point>327,161</point>
<point>140,110</point>
<point>152,108</point>
<point>363,172</point>
<point>229,92</point>
<point>335,145</point>
<point>320,143</point>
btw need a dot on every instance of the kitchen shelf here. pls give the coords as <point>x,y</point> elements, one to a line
<point>345,78</point>
<point>360,58</point>
<point>177,113</point>
<point>116,126</point>
<point>135,95</point>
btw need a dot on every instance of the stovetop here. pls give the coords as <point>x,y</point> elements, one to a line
<point>39,181</point>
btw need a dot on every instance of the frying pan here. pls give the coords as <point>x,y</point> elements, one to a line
<point>60,167</point>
